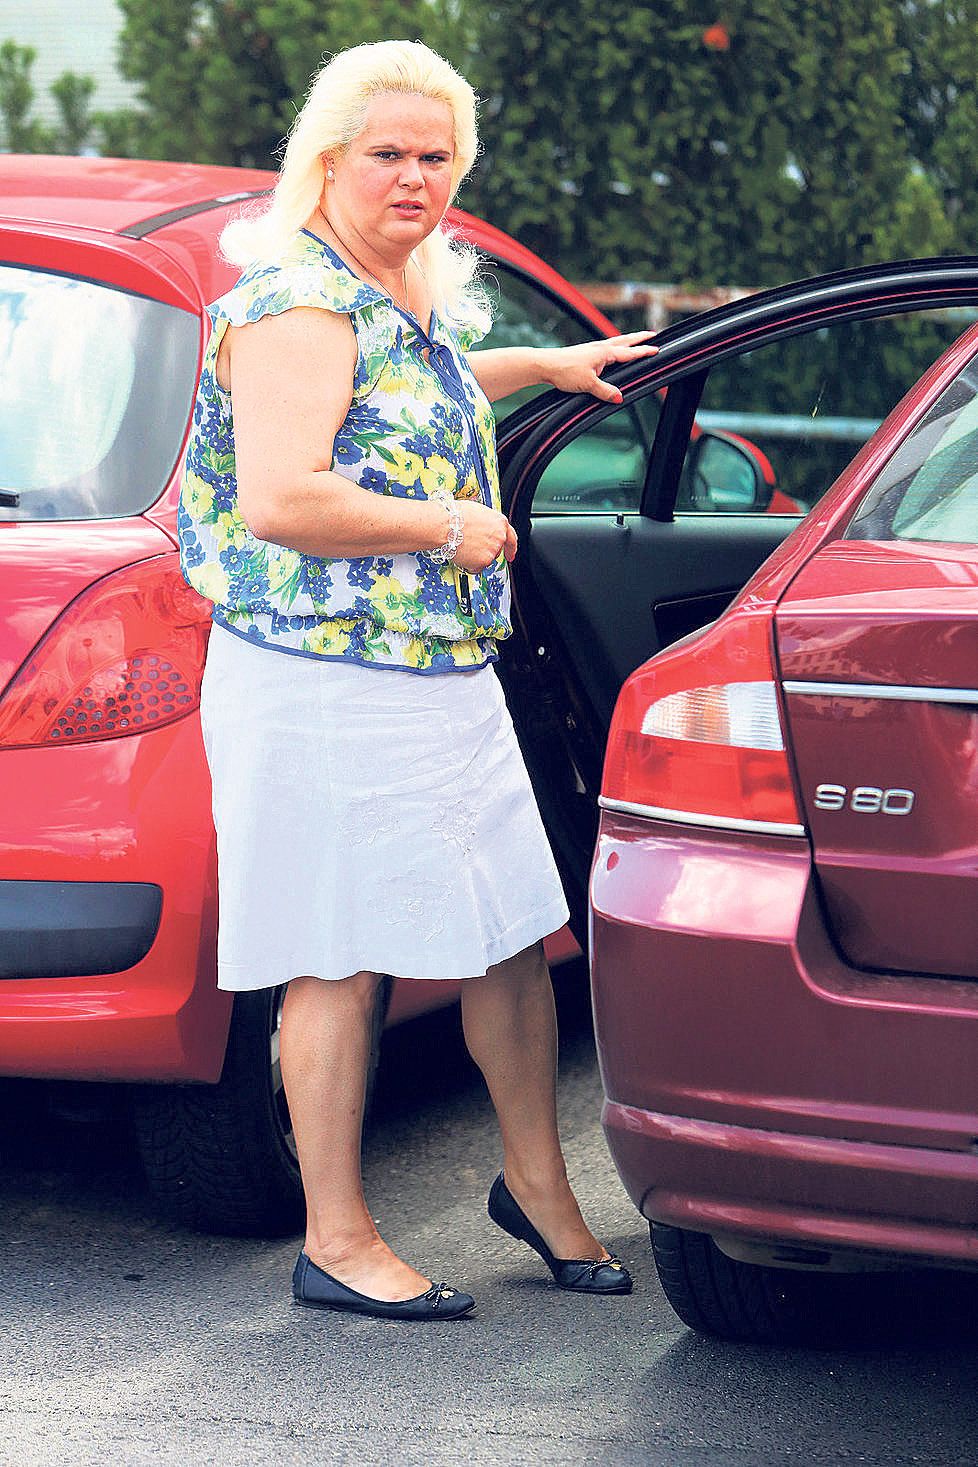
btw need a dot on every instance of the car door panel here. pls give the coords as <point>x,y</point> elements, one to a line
<point>626,586</point>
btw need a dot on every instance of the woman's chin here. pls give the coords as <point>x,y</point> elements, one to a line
<point>415,224</point>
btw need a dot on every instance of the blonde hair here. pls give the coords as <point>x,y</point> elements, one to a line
<point>333,114</point>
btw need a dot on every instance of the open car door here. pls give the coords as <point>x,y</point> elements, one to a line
<point>639,522</point>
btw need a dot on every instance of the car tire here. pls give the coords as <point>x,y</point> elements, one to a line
<point>221,1158</point>
<point>735,1300</point>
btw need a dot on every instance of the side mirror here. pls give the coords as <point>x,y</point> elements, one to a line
<point>724,474</point>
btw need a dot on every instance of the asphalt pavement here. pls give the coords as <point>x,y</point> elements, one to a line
<point>126,1340</point>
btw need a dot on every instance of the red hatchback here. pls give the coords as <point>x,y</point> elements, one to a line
<point>785,885</point>
<point>107,881</point>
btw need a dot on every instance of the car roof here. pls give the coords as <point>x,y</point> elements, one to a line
<point>141,198</point>
<point>119,195</point>
<point>115,194</point>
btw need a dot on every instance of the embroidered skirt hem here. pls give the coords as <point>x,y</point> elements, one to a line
<point>368,819</point>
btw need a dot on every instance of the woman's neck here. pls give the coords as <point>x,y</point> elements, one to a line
<point>389,273</point>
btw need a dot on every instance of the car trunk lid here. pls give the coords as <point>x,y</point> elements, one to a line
<point>878,652</point>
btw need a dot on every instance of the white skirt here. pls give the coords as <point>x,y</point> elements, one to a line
<point>368,819</point>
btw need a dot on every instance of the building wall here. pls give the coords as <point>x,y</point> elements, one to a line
<point>69,35</point>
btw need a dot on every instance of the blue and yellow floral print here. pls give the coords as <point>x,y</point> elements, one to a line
<point>418,422</point>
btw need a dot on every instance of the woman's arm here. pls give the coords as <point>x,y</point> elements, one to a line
<point>505,369</point>
<point>291,379</point>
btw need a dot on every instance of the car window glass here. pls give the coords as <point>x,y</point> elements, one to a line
<point>602,469</point>
<point>929,489</point>
<point>95,391</point>
<point>793,413</point>
<point>524,314</point>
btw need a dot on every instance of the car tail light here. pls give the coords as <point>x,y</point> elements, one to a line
<point>697,732</point>
<point>125,656</point>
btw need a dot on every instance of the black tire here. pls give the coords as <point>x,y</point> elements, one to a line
<point>734,1300</point>
<point>222,1158</point>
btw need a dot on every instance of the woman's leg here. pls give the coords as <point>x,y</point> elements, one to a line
<point>511,1031</point>
<point>326,1028</point>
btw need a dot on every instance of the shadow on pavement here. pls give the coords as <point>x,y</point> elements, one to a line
<point>902,1394</point>
<point>72,1144</point>
<point>74,1140</point>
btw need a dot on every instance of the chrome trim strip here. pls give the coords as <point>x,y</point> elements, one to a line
<point>885,690</point>
<point>685,817</point>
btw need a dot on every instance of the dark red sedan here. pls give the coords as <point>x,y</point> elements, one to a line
<point>785,885</point>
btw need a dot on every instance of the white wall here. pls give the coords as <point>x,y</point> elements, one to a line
<point>68,35</point>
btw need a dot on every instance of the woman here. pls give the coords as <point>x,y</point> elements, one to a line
<point>341,509</point>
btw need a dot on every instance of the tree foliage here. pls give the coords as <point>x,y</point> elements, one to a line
<point>940,105</point>
<point>20,132</point>
<point>220,81</point>
<point>16,98</point>
<point>630,141</point>
<point>73,96</point>
<point>662,139</point>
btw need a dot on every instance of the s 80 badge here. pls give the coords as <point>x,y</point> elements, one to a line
<point>864,799</point>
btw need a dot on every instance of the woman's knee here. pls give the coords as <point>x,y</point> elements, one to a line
<point>530,964</point>
<point>358,991</point>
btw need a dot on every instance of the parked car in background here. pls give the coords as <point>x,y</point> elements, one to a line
<point>107,872</point>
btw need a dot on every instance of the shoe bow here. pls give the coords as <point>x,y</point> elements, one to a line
<point>437,1293</point>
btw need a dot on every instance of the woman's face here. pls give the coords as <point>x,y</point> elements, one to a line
<point>391,186</point>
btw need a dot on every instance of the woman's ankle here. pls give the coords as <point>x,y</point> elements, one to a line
<point>371,1267</point>
<point>536,1182</point>
<point>340,1246</point>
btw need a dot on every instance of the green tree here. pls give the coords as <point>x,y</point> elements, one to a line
<point>118,134</point>
<point>73,97</point>
<point>861,195</point>
<point>76,125</point>
<point>940,105</point>
<point>629,141</point>
<point>655,139</point>
<point>220,81</point>
<point>21,134</point>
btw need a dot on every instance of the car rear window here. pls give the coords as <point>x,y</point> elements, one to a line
<point>96,387</point>
<point>929,489</point>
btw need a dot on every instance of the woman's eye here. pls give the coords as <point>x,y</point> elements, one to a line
<point>389,155</point>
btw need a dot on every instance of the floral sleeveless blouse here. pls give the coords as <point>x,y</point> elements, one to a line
<point>418,421</point>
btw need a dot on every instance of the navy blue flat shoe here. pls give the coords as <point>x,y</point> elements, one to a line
<point>581,1275</point>
<point>316,1289</point>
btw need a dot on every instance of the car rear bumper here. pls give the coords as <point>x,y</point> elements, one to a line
<point>53,929</point>
<point>108,912</point>
<point>756,1085</point>
<point>813,1191</point>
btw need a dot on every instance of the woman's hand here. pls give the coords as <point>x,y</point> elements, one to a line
<point>486,534</point>
<point>501,370</point>
<point>579,368</point>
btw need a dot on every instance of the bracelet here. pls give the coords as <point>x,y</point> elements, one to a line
<point>447,552</point>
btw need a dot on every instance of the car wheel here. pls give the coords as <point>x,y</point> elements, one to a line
<point>222,1157</point>
<point>735,1300</point>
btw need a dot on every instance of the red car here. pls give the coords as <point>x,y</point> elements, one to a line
<point>784,890</point>
<point>107,873</point>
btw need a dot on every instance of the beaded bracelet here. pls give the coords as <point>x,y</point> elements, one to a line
<point>447,552</point>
